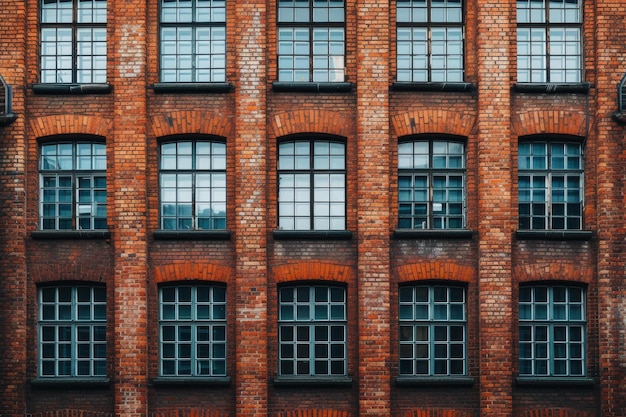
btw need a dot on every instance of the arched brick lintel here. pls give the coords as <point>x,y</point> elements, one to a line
<point>433,121</point>
<point>303,271</point>
<point>561,271</point>
<point>70,413</point>
<point>550,122</point>
<point>69,271</point>
<point>190,122</point>
<point>435,270</point>
<point>65,124</point>
<point>196,271</point>
<point>307,121</point>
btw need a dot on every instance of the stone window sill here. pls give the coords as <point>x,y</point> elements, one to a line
<point>433,234</point>
<point>284,381</point>
<point>191,234</point>
<point>312,235</point>
<point>306,87</point>
<point>554,234</point>
<point>70,234</point>
<point>197,381</point>
<point>554,381</point>
<point>451,87</point>
<point>552,88</point>
<point>182,88</point>
<point>434,381</point>
<point>60,89</point>
<point>69,382</point>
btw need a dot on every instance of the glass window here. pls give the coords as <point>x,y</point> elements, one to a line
<point>430,40</point>
<point>311,40</point>
<point>73,194</point>
<point>431,184</point>
<point>311,185</point>
<point>73,41</point>
<point>550,185</point>
<point>433,330</point>
<point>72,331</point>
<point>312,331</point>
<point>192,330</point>
<point>193,40</point>
<point>552,331</point>
<point>193,185</point>
<point>549,41</point>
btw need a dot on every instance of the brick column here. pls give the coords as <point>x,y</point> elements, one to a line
<point>373,207</point>
<point>610,61</point>
<point>496,54</point>
<point>13,218</point>
<point>250,210</point>
<point>127,196</point>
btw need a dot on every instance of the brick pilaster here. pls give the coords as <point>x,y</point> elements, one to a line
<point>250,202</point>
<point>127,189</point>
<point>13,219</point>
<point>373,207</point>
<point>496,52</point>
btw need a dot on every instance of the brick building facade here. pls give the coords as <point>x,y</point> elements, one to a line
<point>312,208</point>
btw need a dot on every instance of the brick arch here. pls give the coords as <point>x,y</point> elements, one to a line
<point>190,121</point>
<point>313,412</point>
<point>433,121</point>
<point>64,124</point>
<point>434,412</point>
<point>202,271</point>
<point>71,413</point>
<point>554,412</point>
<point>550,121</point>
<point>190,412</point>
<point>69,271</point>
<point>560,270</point>
<point>435,270</point>
<point>320,121</point>
<point>312,270</point>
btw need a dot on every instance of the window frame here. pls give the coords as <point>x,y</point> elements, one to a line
<point>307,325</point>
<point>216,307</point>
<point>550,323</point>
<point>96,322</point>
<point>430,172</point>
<point>551,175</point>
<point>287,167</point>
<point>215,73</point>
<point>430,25</point>
<point>213,173</point>
<point>544,25</point>
<point>409,323</point>
<point>74,27</point>
<point>75,176</point>
<point>313,26</point>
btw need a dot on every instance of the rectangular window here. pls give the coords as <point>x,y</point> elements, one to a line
<point>192,331</point>
<point>311,40</point>
<point>311,185</point>
<point>550,185</point>
<point>193,185</point>
<point>433,329</point>
<point>549,41</point>
<point>312,331</point>
<point>552,331</point>
<point>73,41</point>
<point>430,40</point>
<point>73,194</point>
<point>193,40</point>
<point>72,331</point>
<point>431,184</point>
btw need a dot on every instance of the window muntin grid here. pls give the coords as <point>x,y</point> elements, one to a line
<point>549,41</point>
<point>73,191</point>
<point>192,182</point>
<point>72,331</point>
<point>430,40</point>
<point>193,40</point>
<point>433,330</point>
<point>73,44</point>
<point>192,331</point>
<point>311,185</point>
<point>431,184</point>
<point>550,185</point>
<point>552,331</point>
<point>312,331</point>
<point>311,40</point>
